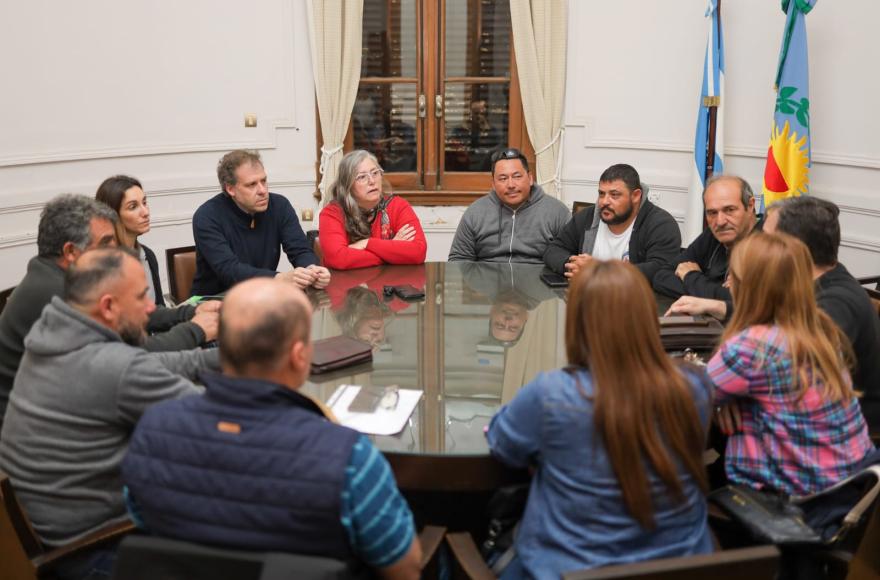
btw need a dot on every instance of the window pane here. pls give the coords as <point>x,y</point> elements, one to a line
<point>478,38</point>
<point>389,38</point>
<point>384,123</point>
<point>476,124</point>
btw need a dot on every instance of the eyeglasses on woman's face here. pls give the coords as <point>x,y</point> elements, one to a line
<point>367,176</point>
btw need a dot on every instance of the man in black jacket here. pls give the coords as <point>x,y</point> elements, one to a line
<point>623,225</point>
<point>815,222</point>
<point>701,269</point>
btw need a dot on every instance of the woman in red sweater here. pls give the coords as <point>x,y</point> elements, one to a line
<point>363,226</point>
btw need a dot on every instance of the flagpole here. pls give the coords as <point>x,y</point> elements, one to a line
<point>712,103</point>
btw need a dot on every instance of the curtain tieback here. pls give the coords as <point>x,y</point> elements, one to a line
<point>326,156</point>
<point>556,179</point>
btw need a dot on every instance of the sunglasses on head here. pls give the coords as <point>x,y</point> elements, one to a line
<point>508,154</point>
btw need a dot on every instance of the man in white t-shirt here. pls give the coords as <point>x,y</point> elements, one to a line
<point>623,225</point>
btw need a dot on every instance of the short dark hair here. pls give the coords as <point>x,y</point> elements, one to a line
<point>509,153</point>
<point>625,173</point>
<point>67,218</point>
<point>745,190</point>
<point>80,280</point>
<point>813,221</point>
<point>263,342</point>
<point>112,190</point>
<point>232,161</point>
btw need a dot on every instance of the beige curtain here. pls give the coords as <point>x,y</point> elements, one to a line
<point>335,27</point>
<point>540,29</point>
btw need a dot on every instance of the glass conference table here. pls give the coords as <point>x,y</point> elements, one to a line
<point>481,332</point>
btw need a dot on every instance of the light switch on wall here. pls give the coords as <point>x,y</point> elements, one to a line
<point>250,120</point>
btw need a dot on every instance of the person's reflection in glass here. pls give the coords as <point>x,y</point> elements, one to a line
<point>508,316</point>
<point>364,316</point>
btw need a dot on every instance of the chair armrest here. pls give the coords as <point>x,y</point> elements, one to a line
<point>869,280</point>
<point>101,536</point>
<point>430,539</point>
<point>468,557</point>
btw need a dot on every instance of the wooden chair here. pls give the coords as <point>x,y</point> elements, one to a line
<point>312,237</point>
<point>4,298</point>
<point>22,555</point>
<point>181,264</point>
<point>758,563</point>
<point>151,557</point>
<point>873,293</point>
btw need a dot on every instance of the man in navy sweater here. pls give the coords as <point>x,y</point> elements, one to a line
<point>240,232</point>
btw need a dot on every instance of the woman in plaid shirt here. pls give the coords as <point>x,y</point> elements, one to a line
<point>783,391</point>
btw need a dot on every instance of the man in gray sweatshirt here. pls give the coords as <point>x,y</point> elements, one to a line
<point>70,225</point>
<point>514,222</point>
<point>82,385</point>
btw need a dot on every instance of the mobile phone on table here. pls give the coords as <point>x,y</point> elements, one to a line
<point>409,292</point>
<point>553,279</point>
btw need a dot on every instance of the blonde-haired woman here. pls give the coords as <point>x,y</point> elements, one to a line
<point>783,391</point>
<point>616,438</point>
<point>364,226</point>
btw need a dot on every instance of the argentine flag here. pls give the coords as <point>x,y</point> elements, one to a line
<point>713,87</point>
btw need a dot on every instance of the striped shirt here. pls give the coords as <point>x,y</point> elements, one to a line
<point>376,517</point>
<point>793,446</point>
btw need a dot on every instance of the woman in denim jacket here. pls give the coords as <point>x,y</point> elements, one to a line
<point>615,439</point>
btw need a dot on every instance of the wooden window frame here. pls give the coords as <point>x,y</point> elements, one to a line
<point>429,81</point>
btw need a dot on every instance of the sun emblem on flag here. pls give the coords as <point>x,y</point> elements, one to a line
<point>787,171</point>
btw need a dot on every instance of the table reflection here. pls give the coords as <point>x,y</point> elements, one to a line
<point>480,333</point>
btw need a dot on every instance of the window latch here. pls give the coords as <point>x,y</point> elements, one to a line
<point>423,106</point>
<point>438,106</point>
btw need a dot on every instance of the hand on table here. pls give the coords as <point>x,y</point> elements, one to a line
<point>302,277</point>
<point>575,263</point>
<point>207,320</point>
<point>686,268</point>
<point>322,276</point>
<point>694,306</point>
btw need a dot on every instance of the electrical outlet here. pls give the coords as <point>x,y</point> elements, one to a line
<point>307,215</point>
<point>250,120</point>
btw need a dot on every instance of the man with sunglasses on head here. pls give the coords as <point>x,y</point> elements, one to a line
<point>514,222</point>
<point>240,232</point>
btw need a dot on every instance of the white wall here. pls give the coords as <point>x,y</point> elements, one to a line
<point>159,90</point>
<point>634,73</point>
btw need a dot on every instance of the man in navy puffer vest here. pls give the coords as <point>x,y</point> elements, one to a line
<point>253,464</point>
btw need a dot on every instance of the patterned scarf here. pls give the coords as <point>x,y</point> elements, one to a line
<point>382,210</point>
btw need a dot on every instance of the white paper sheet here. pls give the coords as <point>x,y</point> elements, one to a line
<point>380,421</point>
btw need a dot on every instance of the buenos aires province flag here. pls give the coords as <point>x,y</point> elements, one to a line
<point>787,172</point>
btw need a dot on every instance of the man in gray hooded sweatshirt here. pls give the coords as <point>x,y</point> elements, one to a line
<point>514,222</point>
<point>82,385</point>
